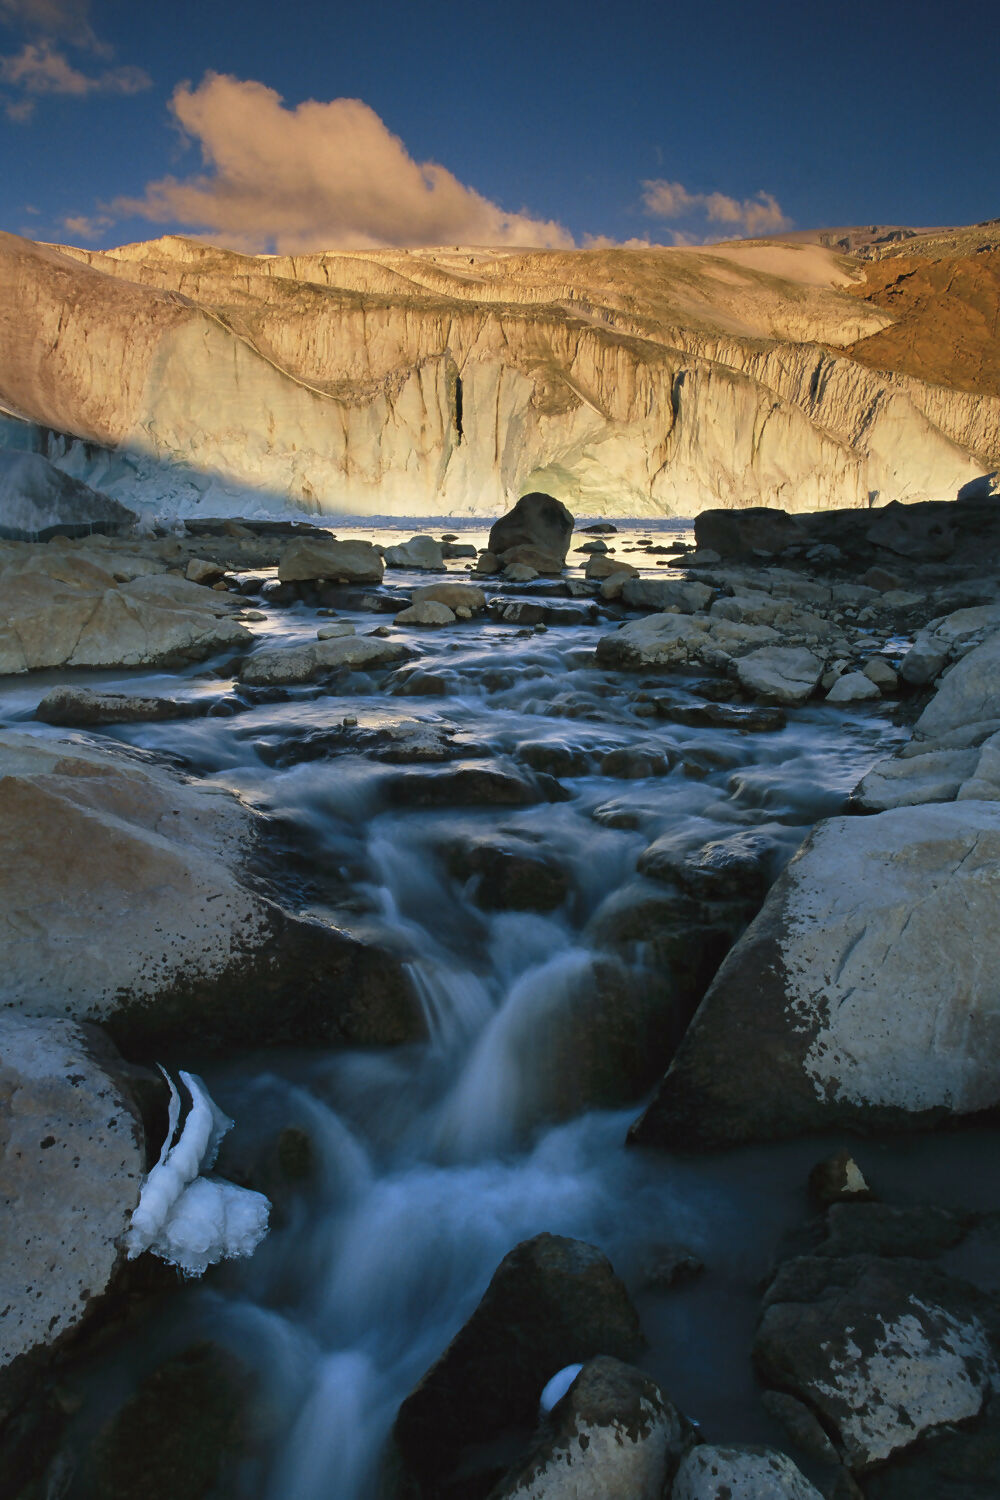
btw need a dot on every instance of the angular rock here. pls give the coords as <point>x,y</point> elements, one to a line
<point>607,567</point>
<point>70,614</point>
<point>662,594</point>
<point>841,1005</point>
<point>714,1472</point>
<point>291,664</point>
<point>144,924</point>
<point>738,866</point>
<point>421,552</point>
<point>308,558</point>
<point>70,706</point>
<point>509,876</point>
<point>427,612</point>
<point>969,693</point>
<point>537,520</point>
<point>656,640</point>
<point>883,1350</point>
<point>747,532</point>
<point>455,595</point>
<point>781,674</point>
<point>853,687</point>
<point>72,1157</point>
<point>552,1302</point>
<point>906,781</point>
<point>613,1436</point>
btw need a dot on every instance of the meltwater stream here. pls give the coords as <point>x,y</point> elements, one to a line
<point>426,1164</point>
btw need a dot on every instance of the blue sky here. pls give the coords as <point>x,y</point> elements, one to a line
<point>545,123</point>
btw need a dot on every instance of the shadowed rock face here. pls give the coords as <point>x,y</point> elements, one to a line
<point>552,1302</point>
<point>638,381</point>
<point>186,949</point>
<point>537,521</point>
<point>841,1005</point>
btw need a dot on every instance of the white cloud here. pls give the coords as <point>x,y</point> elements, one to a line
<point>87,226</point>
<point>759,215</point>
<point>69,20</point>
<point>40,69</point>
<point>319,176</point>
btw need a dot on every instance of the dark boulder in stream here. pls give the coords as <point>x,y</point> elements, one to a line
<point>552,1302</point>
<point>539,522</point>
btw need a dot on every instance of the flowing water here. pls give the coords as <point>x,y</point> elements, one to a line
<point>429,1162</point>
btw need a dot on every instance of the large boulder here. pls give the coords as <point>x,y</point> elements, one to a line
<point>122,901</point>
<point>538,521</point>
<point>780,674</point>
<point>552,1302</point>
<point>72,1158</point>
<point>285,665</point>
<point>713,1472</point>
<point>883,1351</point>
<point>38,501</point>
<point>659,640</point>
<point>612,1436</point>
<point>662,594</point>
<point>62,609</point>
<point>842,1005</point>
<point>968,694</point>
<point>311,557</point>
<point>420,552</point>
<point>746,532</point>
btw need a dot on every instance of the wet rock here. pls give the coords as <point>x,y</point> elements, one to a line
<point>291,664</point>
<point>853,687</point>
<point>488,563</point>
<point>38,501</point>
<point>508,876</point>
<point>960,1463</point>
<point>72,1157</point>
<point>534,558</point>
<point>600,528</point>
<point>664,1266</point>
<point>858,1226</point>
<point>454,595</point>
<point>882,1350</point>
<point>200,570</point>
<point>335,631</point>
<point>421,552</point>
<point>520,573</point>
<point>634,762</point>
<point>173,1438</point>
<point>663,594</point>
<point>781,674</point>
<point>556,757</point>
<point>489,784</point>
<point>749,719</point>
<point>838,1179</point>
<point>152,866</point>
<point>802,1426</point>
<point>71,706</point>
<point>613,1436</point>
<point>861,1017</point>
<point>536,521</point>
<point>712,1472</point>
<point>520,612</point>
<point>738,866</point>
<point>428,612</point>
<point>595,546</point>
<point>657,640</point>
<point>419,684</point>
<point>552,1302</point>
<point>311,557</point>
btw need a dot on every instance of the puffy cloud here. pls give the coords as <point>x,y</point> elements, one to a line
<point>759,215</point>
<point>317,177</point>
<point>87,226</point>
<point>40,69</point>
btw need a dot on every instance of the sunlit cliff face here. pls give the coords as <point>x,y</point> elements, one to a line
<point>650,382</point>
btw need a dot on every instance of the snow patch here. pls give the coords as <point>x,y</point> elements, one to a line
<point>186,1219</point>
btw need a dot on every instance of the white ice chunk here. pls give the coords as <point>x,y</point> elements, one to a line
<point>558,1386</point>
<point>189,1220</point>
<point>212,1220</point>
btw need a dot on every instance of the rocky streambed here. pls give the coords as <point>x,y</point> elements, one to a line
<point>426,856</point>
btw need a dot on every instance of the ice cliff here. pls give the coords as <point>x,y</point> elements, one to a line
<point>622,381</point>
